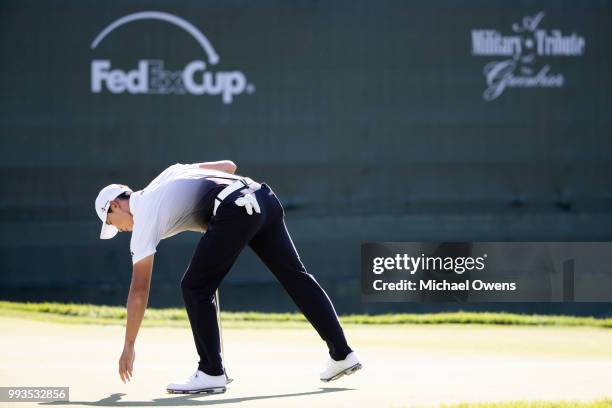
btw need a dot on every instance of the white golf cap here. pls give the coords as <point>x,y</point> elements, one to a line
<point>105,196</point>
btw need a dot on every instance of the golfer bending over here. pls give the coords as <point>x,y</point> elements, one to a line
<point>233,211</point>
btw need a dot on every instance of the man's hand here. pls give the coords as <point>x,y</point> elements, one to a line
<point>249,202</point>
<point>126,362</point>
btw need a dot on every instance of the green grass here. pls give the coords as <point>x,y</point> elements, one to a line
<point>97,314</point>
<point>603,403</point>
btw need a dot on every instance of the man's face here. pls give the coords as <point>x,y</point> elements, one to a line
<point>119,215</point>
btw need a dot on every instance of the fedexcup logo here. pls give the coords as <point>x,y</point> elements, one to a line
<point>151,77</point>
<point>523,48</point>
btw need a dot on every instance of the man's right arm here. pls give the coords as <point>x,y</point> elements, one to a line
<point>227,166</point>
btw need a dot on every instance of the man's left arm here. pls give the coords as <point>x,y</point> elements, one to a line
<point>136,306</point>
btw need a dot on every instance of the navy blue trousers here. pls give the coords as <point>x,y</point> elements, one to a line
<point>229,231</point>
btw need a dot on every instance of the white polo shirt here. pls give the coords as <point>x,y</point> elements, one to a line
<point>168,205</point>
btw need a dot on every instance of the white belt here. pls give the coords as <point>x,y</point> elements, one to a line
<point>242,183</point>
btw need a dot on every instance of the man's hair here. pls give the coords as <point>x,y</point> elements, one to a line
<point>123,196</point>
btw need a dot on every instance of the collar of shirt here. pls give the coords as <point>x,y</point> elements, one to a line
<point>133,202</point>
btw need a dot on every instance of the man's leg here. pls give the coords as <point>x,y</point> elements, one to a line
<point>228,233</point>
<point>275,248</point>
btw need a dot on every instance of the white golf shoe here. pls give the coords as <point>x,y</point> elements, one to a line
<point>199,382</point>
<point>336,369</point>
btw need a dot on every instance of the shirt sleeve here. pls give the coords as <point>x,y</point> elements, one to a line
<point>164,174</point>
<point>145,237</point>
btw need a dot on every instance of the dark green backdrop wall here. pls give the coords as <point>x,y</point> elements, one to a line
<point>367,118</point>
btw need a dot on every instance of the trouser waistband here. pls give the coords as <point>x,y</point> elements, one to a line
<point>240,184</point>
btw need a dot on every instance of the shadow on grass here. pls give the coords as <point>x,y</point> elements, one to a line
<point>114,400</point>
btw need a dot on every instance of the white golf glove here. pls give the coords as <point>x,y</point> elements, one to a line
<point>249,202</point>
